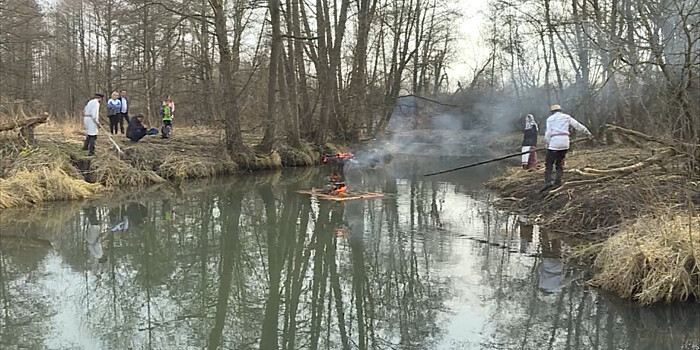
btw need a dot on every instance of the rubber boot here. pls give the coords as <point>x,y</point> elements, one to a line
<point>87,143</point>
<point>560,172</point>
<point>547,180</point>
<point>91,145</point>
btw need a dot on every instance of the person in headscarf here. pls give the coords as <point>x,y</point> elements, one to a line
<point>529,160</point>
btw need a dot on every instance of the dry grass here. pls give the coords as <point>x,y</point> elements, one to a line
<point>113,172</point>
<point>595,207</point>
<point>651,260</point>
<point>32,187</point>
<point>32,175</point>
<point>646,242</point>
<point>57,168</point>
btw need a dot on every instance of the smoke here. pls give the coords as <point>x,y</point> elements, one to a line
<point>448,121</point>
<point>434,132</point>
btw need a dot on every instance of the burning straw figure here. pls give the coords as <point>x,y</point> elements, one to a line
<point>529,160</point>
<point>337,184</point>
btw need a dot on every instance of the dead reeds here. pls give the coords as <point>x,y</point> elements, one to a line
<point>652,259</point>
<point>57,168</point>
<point>636,202</point>
<point>31,175</point>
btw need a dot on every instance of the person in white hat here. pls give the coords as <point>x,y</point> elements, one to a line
<point>557,138</point>
<point>91,119</point>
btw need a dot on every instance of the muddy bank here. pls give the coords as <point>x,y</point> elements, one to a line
<point>633,205</point>
<point>55,167</point>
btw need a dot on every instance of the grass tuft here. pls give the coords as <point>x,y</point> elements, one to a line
<point>651,260</point>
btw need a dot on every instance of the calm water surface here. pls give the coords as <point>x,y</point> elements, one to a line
<point>248,263</point>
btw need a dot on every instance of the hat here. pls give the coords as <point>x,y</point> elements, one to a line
<point>555,108</point>
<point>99,94</point>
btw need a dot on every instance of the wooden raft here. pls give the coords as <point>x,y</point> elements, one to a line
<point>341,197</point>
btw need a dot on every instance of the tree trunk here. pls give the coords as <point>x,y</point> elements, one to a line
<point>268,140</point>
<point>234,138</point>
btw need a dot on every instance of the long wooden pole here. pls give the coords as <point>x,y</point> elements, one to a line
<point>119,150</point>
<point>491,160</point>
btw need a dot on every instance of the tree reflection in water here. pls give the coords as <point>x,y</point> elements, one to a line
<point>249,263</point>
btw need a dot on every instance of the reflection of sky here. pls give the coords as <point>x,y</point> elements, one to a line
<point>62,285</point>
<point>477,295</point>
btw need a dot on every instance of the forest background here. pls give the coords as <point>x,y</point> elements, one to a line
<point>317,70</point>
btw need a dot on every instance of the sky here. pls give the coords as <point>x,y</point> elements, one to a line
<point>470,53</point>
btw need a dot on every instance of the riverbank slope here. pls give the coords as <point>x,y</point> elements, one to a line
<point>54,166</point>
<point>633,205</point>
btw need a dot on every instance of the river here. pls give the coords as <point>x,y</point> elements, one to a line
<point>246,262</point>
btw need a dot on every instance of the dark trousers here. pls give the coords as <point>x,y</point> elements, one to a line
<point>554,158</point>
<point>167,128</point>
<point>89,144</point>
<point>121,117</point>
<point>136,135</point>
<point>113,123</point>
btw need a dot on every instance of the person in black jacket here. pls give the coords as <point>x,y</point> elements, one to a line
<point>529,160</point>
<point>135,131</point>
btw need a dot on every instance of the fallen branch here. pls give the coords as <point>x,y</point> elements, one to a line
<point>659,158</point>
<point>671,143</point>
<point>23,123</point>
<point>429,100</point>
<point>570,184</point>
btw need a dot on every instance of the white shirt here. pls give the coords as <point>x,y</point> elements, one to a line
<point>557,134</point>
<point>551,275</point>
<point>94,241</point>
<point>92,109</point>
<point>125,105</point>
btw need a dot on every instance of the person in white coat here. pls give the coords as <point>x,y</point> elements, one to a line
<point>91,119</point>
<point>557,139</point>
<point>94,235</point>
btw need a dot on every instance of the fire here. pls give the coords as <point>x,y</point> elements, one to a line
<point>340,190</point>
<point>338,156</point>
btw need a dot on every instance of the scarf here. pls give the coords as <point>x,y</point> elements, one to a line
<point>530,122</point>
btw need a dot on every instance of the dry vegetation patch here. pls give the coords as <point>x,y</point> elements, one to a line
<point>636,202</point>
<point>651,259</point>
<point>55,167</point>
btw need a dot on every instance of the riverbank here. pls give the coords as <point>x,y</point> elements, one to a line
<point>54,167</point>
<point>632,205</point>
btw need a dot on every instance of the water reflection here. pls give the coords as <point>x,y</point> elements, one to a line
<point>249,263</point>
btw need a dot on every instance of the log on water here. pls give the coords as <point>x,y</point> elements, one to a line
<point>23,123</point>
<point>341,197</point>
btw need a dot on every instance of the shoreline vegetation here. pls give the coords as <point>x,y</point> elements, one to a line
<point>54,167</point>
<point>631,208</point>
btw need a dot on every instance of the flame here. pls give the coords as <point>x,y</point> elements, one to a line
<point>340,155</point>
<point>340,190</point>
